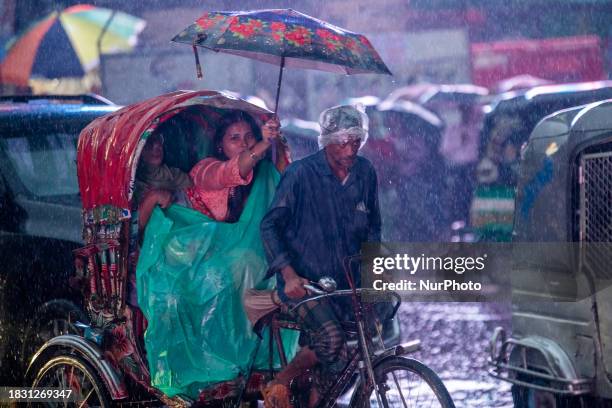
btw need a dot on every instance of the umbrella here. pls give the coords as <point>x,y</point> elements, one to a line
<point>301,136</point>
<point>458,93</point>
<point>68,43</point>
<point>283,37</point>
<point>427,94</point>
<point>425,117</point>
<point>410,92</point>
<point>520,82</point>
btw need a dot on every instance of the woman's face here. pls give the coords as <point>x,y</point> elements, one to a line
<point>153,152</point>
<point>237,138</point>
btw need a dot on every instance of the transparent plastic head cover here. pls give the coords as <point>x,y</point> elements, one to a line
<point>343,123</point>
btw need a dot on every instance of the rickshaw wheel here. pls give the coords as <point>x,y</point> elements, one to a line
<point>69,372</point>
<point>53,319</point>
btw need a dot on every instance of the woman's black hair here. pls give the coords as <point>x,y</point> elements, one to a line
<point>239,194</point>
<point>228,120</point>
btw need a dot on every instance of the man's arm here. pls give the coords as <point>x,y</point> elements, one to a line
<point>272,230</point>
<point>275,223</point>
<point>273,233</point>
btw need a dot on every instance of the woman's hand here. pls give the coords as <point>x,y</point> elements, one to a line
<point>270,131</point>
<point>163,198</point>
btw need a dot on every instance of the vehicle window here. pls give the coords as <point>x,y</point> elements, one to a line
<point>45,164</point>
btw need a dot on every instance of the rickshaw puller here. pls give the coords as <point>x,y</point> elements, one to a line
<point>325,207</point>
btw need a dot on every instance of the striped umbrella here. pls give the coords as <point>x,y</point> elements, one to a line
<point>65,44</point>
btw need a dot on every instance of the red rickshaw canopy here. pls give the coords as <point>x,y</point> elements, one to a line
<point>108,151</point>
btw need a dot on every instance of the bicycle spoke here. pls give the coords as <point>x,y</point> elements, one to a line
<point>86,398</point>
<point>399,389</point>
<point>63,386</point>
<point>418,394</point>
<point>59,378</point>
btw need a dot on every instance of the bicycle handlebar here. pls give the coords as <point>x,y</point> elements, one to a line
<point>314,289</point>
<point>320,294</point>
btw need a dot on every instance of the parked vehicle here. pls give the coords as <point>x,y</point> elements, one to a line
<point>558,354</point>
<point>509,120</point>
<point>40,221</point>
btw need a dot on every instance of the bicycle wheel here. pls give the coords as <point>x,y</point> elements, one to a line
<point>403,383</point>
<point>69,372</point>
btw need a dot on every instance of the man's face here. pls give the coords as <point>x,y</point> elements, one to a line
<point>343,155</point>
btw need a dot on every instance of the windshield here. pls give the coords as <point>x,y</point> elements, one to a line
<point>44,164</point>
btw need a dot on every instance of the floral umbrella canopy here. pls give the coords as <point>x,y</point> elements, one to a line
<point>284,37</point>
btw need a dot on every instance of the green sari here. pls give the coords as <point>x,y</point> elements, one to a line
<point>191,277</point>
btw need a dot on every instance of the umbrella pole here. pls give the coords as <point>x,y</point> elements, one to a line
<point>99,48</point>
<point>280,80</point>
<point>197,62</point>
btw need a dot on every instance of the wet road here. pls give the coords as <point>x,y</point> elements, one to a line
<point>455,342</point>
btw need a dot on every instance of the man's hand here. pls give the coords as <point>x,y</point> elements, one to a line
<point>294,284</point>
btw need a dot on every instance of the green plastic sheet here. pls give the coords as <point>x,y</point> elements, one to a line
<point>191,276</point>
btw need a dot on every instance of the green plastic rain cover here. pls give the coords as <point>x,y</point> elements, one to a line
<point>191,276</point>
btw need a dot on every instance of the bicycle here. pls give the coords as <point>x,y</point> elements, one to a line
<point>377,376</point>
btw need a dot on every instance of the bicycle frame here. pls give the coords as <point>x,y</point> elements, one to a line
<point>362,358</point>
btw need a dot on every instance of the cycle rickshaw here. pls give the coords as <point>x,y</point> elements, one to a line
<point>106,364</point>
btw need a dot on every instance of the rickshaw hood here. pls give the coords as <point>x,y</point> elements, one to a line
<point>108,147</point>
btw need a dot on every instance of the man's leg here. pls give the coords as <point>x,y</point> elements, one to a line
<point>303,360</point>
<point>327,346</point>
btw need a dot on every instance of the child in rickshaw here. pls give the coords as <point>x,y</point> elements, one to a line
<point>194,267</point>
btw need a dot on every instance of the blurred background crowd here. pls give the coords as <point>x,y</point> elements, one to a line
<point>471,80</point>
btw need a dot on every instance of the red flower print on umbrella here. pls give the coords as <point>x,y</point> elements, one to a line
<point>299,36</point>
<point>278,31</point>
<point>209,20</point>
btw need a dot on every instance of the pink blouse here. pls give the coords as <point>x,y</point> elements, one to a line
<point>212,181</point>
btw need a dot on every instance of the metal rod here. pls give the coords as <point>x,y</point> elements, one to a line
<point>197,62</point>
<point>271,349</point>
<point>280,80</point>
<point>99,47</point>
<point>279,345</point>
<point>245,383</point>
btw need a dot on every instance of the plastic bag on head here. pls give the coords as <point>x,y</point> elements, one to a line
<point>340,124</point>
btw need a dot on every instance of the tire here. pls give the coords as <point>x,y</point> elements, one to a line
<point>52,319</point>
<point>67,371</point>
<point>412,375</point>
